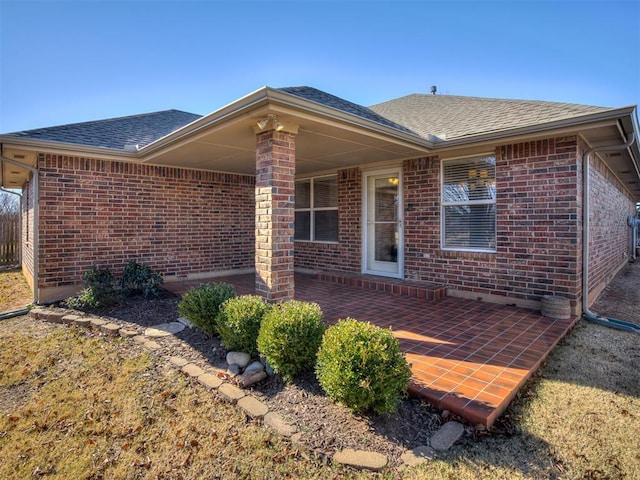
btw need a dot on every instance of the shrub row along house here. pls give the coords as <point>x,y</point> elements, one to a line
<point>485,196</point>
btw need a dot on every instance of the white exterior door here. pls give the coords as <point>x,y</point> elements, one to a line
<point>382,239</point>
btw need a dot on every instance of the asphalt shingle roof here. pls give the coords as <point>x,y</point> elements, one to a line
<point>114,133</point>
<point>328,100</point>
<point>446,117</point>
<point>450,117</point>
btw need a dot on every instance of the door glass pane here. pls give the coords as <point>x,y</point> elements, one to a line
<point>386,243</point>
<point>386,199</point>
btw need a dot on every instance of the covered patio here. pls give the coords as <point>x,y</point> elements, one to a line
<point>466,356</point>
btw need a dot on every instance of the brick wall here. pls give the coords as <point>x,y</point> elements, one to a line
<point>275,199</point>
<point>27,217</point>
<point>610,238</point>
<point>345,255</point>
<point>104,213</point>
<point>537,226</point>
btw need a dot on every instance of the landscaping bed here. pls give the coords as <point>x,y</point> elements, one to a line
<point>326,427</point>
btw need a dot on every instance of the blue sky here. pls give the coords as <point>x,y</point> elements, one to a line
<point>64,62</point>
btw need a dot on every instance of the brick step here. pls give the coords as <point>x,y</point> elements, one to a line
<point>428,291</point>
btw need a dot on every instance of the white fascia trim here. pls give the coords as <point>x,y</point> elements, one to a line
<point>252,100</point>
<point>61,148</point>
<point>266,96</point>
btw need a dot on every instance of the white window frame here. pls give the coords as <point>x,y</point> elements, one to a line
<point>312,209</point>
<point>444,204</point>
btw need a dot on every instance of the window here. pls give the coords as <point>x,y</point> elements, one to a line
<point>317,209</point>
<point>469,204</point>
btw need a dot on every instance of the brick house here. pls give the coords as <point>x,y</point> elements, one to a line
<point>482,195</point>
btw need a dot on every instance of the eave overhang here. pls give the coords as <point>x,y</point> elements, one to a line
<point>328,138</point>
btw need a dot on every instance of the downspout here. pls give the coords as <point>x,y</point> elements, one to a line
<point>36,235</point>
<point>586,313</point>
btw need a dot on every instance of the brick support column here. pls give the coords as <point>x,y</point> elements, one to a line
<point>275,197</point>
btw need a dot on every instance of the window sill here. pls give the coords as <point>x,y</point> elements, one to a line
<point>468,254</point>
<point>318,241</point>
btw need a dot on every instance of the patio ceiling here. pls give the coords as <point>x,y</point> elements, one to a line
<point>322,143</point>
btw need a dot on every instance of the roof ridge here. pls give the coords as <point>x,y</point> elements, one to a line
<point>491,99</point>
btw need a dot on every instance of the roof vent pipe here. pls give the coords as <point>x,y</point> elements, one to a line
<point>433,89</point>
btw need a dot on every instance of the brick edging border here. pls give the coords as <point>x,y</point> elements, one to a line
<point>215,380</point>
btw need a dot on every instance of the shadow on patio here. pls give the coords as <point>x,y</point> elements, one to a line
<point>466,356</point>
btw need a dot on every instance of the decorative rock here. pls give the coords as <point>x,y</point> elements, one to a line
<point>233,369</point>
<point>97,322</point>
<point>230,393</point>
<point>192,370</point>
<point>446,436</point>
<point>125,332</point>
<point>178,361</point>
<point>69,319</point>
<point>82,322</point>
<point>36,313</point>
<point>268,368</point>
<point>51,316</point>
<point>418,455</point>
<point>239,358</point>
<point>151,345</point>
<point>247,379</point>
<point>185,322</point>
<point>277,423</point>
<point>164,329</point>
<point>110,329</point>
<point>361,459</point>
<point>254,367</point>
<point>253,407</point>
<point>210,381</point>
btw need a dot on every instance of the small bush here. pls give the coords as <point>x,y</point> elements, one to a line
<point>290,335</point>
<point>201,305</point>
<point>239,322</point>
<point>99,290</point>
<point>361,366</point>
<point>138,278</point>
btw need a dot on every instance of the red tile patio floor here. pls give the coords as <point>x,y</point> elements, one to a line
<point>466,356</point>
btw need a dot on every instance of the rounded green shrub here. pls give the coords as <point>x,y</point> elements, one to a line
<point>140,278</point>
<point>361,366</point>
<point>201,305</point>
<point>289,337</point>
<point>239,322</point>
<point>99,290</point>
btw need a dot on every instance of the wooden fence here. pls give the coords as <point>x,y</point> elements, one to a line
<point>9,240</point>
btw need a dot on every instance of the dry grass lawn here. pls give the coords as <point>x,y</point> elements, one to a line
<point>15,293</point>
<point>75,405</point>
